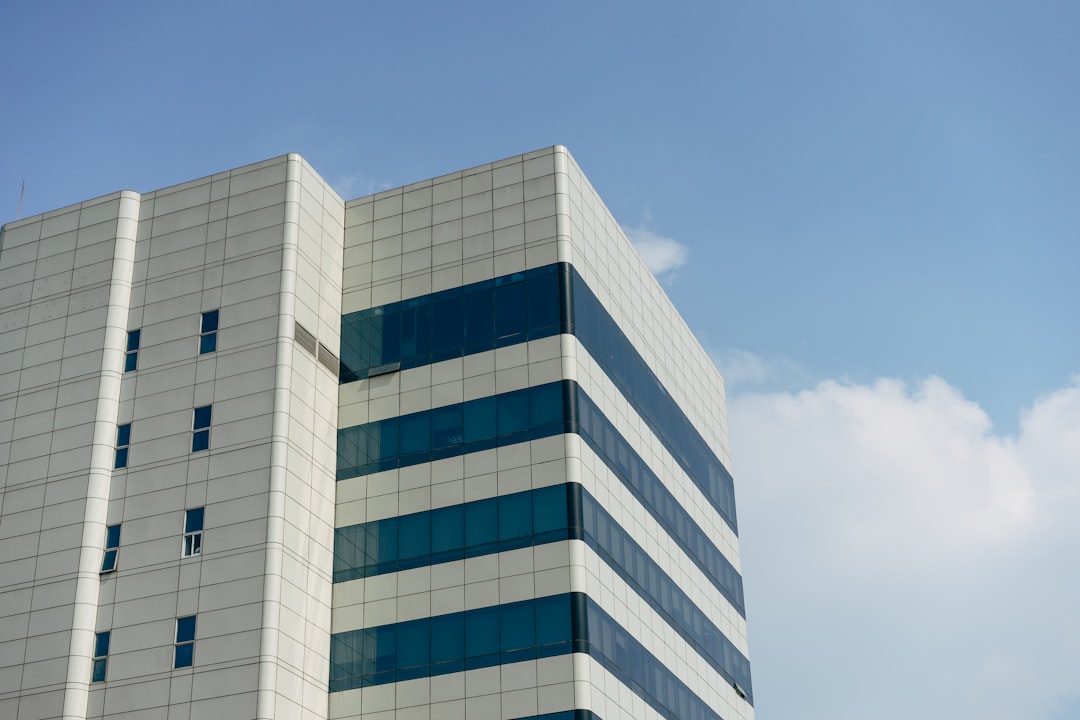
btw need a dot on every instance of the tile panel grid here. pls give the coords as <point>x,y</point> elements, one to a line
<point>607,261</point>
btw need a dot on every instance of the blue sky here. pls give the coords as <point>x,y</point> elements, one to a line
<point>868,211</point>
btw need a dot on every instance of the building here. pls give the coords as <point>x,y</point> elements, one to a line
<point>447,451</point>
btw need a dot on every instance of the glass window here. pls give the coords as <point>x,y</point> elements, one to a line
<point>200,428</point>
<point>185,642</point>
<point>123,440</point>
<point>112,547</point>
<point>101,655</point>
<point>193,527</point>
<point>447,638</point>
<point>208,332</point>
<point>131,355</point>
<point>510,314</point>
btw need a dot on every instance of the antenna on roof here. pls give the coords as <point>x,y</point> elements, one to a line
<point>22,189</point>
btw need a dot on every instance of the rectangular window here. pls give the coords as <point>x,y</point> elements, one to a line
<point>101,654</point>
<point>185,642</point>
<point>193,526</point>
<point>208,332</point>
<point>123,440</point>
<point>112,547</point>
<point>200,428</point>
<point>131,357</point>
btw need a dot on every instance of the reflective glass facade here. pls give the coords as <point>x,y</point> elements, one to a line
<point>529,414</point>
<point>521,307</point>
<point>535,517</point>
<point>544,627</point>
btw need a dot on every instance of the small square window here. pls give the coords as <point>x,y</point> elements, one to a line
<point>200,427</point>
<point>112,547</point>
<point>193,526</point>
<point>101,655</point>
<point>131,356</point>
<point>123,440</point>
<point>208,332</point>
<point>185,642</point>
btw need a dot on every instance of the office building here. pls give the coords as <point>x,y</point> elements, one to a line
<point>447,451</point>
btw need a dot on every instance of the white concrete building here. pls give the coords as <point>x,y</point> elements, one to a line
<point>447,451</point>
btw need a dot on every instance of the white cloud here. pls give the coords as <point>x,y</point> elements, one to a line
<point>661,254</point>
<point>357,185</point>
<point>743,369</point>
<point>902,560</point>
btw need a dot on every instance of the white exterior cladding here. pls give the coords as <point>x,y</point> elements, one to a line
<point>270,246</point>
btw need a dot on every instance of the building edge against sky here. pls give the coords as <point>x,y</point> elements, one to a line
<point>444,451</point>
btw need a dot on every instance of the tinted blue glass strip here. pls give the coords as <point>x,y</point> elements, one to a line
<point>451,643</point>
<point>597,331</point>
<point>643,484</point>
<point>453,430</point>
<point>527,518</point>
<point>565,715</point>
<point>544,627</point>
<point>536,412</point>
<point>630,561</point>
<point>624,657</point>
<point>481,527</point>
<point>452,323</point>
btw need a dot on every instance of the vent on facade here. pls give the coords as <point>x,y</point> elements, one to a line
<point>739,690</point>
<point>384,369</point>
<point>329,360</point>
<point>304,338</point>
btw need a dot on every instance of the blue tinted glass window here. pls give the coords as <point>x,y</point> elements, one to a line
<point>513,412</point>
<point>515,516</point>
<point>123,435</point>
<point>202,417</point>
<point>545,405</point>
<point>112,536</point>
<point>416,332</point>
<point>101,643</point>
<point>518,626</point>
<point>200,440</point>
<point>121,459</point>
<point>193,521</point>
<point>447,529</point>
<point>133,338</point>
<point>446,324</point>
<point>544,303</point>
<point>386,546</point>
<point>552,619</point>
<point>209,321</point>
<point>208,343</point>
<point>415,433</point>
<point>482,632</point>
<point>549,509</point>
<point>413,644</point>
<point>510,312</point>
<point>481,522</point>
<point>447,638</point>
<point>479,319</point>
<point>185,629</point>
<point>447,427</point>
<point>184,655</point>
<point>131,361</point>
<point>479,418</point>
<point>414,535</point>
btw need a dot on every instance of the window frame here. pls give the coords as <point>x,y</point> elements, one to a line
<point>200,433</point>
<point>100,662</point>
<point>192,539</point>
<point>208,335</point>
<point>123,444</point>
<point>180,646</point>
<point>112,548</point>
<point>131,350</point>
